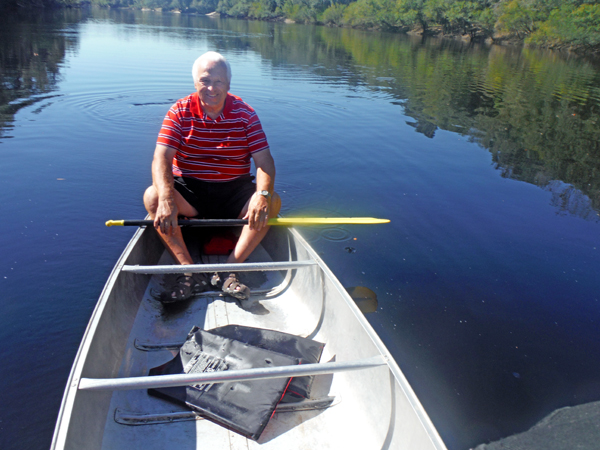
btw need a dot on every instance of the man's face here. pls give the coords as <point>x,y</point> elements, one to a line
<point>212,86</point>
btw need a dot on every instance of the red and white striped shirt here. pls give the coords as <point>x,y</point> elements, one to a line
<point>212,150</point>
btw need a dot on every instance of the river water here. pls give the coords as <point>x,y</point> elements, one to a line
<point>486,160</point>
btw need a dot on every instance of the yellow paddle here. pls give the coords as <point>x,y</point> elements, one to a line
<point>285,221</point>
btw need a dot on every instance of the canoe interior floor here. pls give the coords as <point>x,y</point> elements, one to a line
<point>158,329</point>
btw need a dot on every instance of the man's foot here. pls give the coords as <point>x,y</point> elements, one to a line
<point>184,287</point>
<point>232,286</point>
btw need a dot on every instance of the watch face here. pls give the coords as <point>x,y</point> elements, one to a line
<point>265,193</point>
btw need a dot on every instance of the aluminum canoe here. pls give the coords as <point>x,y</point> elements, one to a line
<point>360,399</point>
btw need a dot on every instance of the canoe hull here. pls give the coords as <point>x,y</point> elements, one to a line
<point>373,408</point>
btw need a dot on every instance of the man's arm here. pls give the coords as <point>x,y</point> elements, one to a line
<point>259,207</point>
<point>162,180</point>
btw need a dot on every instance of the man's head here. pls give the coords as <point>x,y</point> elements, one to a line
<point>210,57</point>
<point>212,77</point>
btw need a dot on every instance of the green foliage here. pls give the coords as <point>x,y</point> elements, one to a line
<point>462,16</point>
<point>517,17</point>
<point>486,20</point>
<point>333,15</point>
<point>234,8</point>
<point>410,13</point>
<point>551,23</point>
<point>435,11</point>
<point>199,6</point>
<point>386,14</point>
<point>302,11</point>
<point>263,9</point>
<point>571,25</point>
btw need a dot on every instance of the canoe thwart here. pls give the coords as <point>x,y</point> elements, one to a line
<point>210,268</point>
<point>185,379</point>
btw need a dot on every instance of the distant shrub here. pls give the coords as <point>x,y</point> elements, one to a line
<point>334,15</point>
<point>302,11</point>
<point>570,25</point>
<point>516,17</point>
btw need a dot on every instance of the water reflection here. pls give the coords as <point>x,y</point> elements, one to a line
<point>32,50</point>
<point>536,112</point>
<point>569,200</point>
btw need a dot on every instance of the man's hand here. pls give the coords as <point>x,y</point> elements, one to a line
<point>259,207</point>
<point>166,216</point>
<point>258,212</point>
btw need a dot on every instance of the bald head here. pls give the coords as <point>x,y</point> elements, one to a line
<point>210,57</point>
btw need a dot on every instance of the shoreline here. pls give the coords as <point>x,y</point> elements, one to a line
<point>503,40</point>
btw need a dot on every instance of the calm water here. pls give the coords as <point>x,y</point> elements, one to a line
<point>486,160</point>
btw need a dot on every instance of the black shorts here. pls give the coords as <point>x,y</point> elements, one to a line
<point>224,200</point>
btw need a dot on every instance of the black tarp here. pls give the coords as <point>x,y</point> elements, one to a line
<point>242,406</point>
<point>306,350</point>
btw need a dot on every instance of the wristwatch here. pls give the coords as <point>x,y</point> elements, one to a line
<point>264,193</point>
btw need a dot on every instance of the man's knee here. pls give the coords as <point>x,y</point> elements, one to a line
<point>151,200</point>
<point>275,205</point>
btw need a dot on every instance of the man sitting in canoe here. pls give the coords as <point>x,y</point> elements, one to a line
<point>201,167</point>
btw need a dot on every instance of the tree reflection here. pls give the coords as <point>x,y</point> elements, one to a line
<point>32,49</point>
<point>536,112</point>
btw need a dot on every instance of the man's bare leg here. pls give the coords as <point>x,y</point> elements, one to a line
<point>249,239</point>
<point>173,242</point>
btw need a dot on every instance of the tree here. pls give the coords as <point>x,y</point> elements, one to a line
<point>516,18</point>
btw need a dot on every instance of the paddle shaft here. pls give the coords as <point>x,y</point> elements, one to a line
<point>181,222</point>
<point>287,221</point>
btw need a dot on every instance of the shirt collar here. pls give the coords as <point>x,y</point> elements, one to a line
<point>198,111</point>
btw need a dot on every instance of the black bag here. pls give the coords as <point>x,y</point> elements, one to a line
<point>306,350</point>
<point>242,406</point>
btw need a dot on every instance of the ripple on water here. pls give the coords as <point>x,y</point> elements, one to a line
<point>102,109</point>
<point>332,234</point>
<point>335,234</point>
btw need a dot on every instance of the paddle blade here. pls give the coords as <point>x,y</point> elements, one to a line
<point>326,221</point>
<point>365,298</point>
<point>115,223</point>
